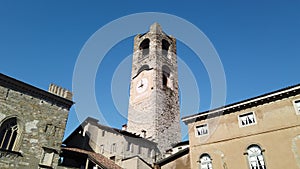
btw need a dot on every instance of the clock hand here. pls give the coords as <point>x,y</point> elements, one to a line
<point>141,85</point>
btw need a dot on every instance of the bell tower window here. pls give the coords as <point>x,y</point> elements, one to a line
<point>166,77</point>
<point>144,47</point>
<point>144,67</point>
<point>165,47</point>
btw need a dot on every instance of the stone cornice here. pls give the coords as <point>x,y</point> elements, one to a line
<point>20,86</point>
<point>248,103</point>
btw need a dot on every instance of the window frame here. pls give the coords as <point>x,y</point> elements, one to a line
<point>202,135</point>
<point>130,147</point>
<point>114,148</point>
<point>19,133</point>
<point>139,149</point>
<point>256,155</point>
<point>246,125</point>
<point>209,162</point>
<point>102,149</point>
<point>165,46</point>
<point>144,47</point>
<point>49,153</point>
<point>297,109</point>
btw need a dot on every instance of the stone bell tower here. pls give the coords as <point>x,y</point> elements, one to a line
<point>154,100</point>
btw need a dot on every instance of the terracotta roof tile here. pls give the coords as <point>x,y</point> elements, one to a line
<point>98,158</point>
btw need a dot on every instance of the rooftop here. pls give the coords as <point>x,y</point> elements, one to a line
<point>95,122</point>
<point>17,85</point>
<point>255,101</point>
<point>97,158</point>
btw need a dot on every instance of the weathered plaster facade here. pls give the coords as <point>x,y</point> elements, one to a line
<point>135,162</point>
<point>177,157</point>
<point>181,162</point>
<point>41,119</point>
<point>275,130</point>
<point>112,143</point>
<point>154,98</point>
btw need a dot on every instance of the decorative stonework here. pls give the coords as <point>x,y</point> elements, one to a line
<point>34,109</point>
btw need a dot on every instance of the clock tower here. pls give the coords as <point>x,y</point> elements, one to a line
<point>154,99</point>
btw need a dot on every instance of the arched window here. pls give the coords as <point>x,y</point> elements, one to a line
<point>8,134</point>
<point>205,162</point>
<point>255,157</point>
<point>166,76</point>
<point>144,46</point>
<point>165,47</point>
<point>144,67</point>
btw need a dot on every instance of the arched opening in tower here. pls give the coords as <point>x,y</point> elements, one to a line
<point>166,77</point>
<point>165,47</point>
<point>144,46</point>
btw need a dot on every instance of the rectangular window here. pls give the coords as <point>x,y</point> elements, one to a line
<point>47,157</point>
<point>103,133</point>
<point>202,130</point>
<point>247,119</point>
<point>113,148</point>
<point>297,106</point>
<point>140,149</point>
<point>102,149</point>
<point>129,146</point>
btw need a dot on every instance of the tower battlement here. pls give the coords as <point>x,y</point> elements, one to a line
<point>59,91</point>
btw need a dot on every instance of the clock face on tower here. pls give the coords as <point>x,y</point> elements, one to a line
<point>141,85</point>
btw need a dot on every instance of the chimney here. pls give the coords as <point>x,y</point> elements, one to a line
<point>144,133</point>
<point>124,127</point>
<point>59,91</point>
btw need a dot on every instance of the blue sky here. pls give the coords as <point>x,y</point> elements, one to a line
<point>258,44</point>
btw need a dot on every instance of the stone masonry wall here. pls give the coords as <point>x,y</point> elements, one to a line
<point>157,111</point>
<point>41,124</point>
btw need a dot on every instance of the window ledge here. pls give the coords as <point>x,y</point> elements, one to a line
<point>44,166</point>
<point>9,153</point>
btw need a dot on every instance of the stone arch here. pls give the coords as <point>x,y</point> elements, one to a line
<point>11,129</point>
<point>166,77</point>
<point>165,45</point>
<point>144,46</point>
<point>144,67</point>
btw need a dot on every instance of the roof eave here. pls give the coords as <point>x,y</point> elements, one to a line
<point>255,101</point>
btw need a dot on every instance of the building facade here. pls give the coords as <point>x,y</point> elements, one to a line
<point>120,146</point>
<point>257,133</point>
<point>32,124</point>
<point>154,98</point>
<point>176,157</point>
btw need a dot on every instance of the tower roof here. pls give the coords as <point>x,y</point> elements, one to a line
<point>155,28</point>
